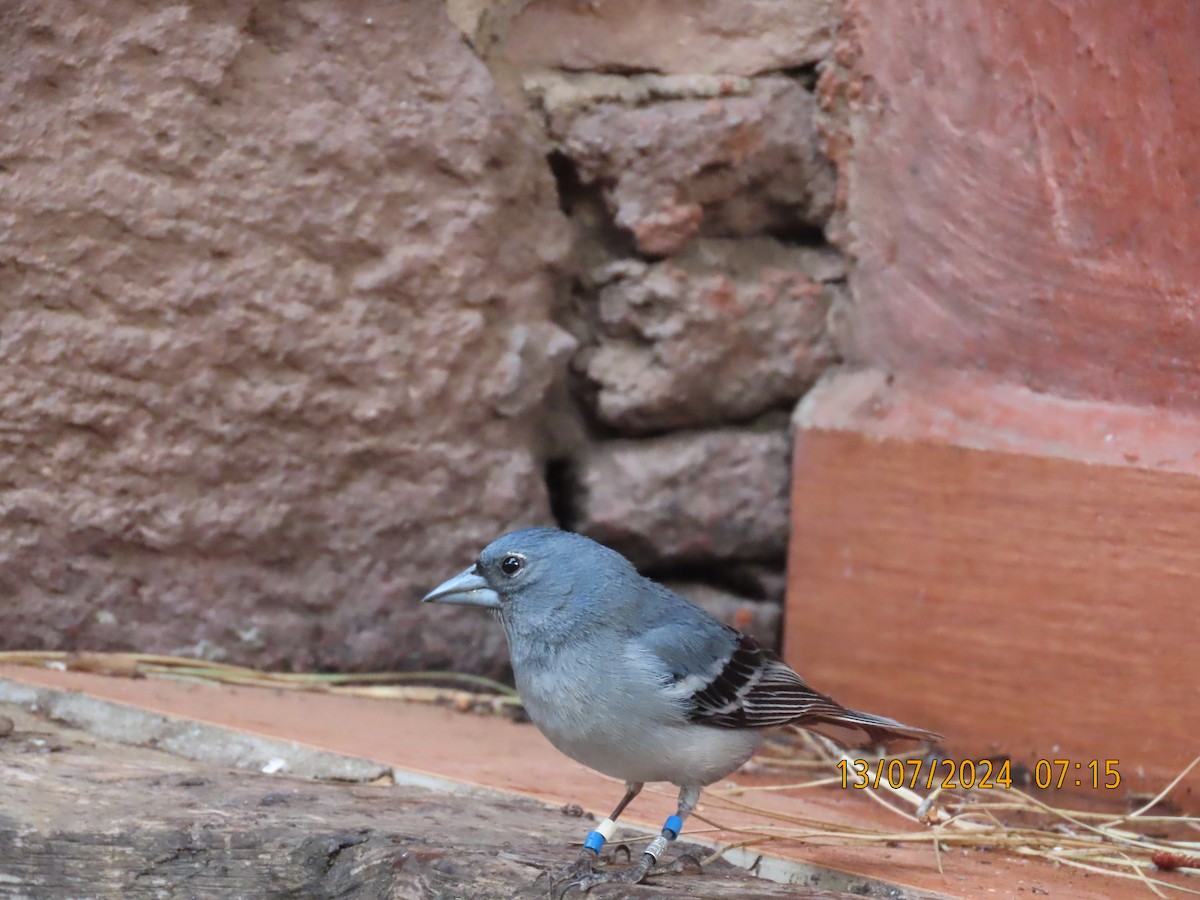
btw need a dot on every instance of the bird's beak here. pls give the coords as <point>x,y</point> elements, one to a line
<point>465,589</point>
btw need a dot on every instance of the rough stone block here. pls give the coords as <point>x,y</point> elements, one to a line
<point>721,333</point>
<point>687,499</point>
<point>724,166</point>
<point>742,37</point>
<point>761,581</point>
<point>275,287</point>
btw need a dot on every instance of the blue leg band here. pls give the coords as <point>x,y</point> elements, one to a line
<point>672,827</point>
<point>594,841</point>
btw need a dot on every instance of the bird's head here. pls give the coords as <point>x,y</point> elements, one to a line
<point>534,573</point>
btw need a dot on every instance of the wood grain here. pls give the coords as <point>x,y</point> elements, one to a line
<point>81,816</point>
<point>1024,605</point>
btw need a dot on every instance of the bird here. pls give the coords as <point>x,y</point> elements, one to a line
<point>632,680</point>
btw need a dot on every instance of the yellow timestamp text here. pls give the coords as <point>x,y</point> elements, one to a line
<point>982,774</point>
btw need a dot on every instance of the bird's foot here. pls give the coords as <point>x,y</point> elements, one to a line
<point>582,867</point>
<point>631,875</point>
<point>684,862</point>
<point>584,883</point>
<point>607,858</point>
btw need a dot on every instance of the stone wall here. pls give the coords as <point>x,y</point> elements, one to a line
<point>302,304</point>
<point>685,143</point>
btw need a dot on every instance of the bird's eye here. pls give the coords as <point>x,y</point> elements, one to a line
<point>511,565</point>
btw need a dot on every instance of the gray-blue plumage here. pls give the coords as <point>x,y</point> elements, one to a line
<point>631,679</point>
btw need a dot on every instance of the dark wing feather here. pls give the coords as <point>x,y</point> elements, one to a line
<point>756,689</point>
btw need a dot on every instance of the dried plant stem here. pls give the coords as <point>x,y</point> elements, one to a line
<point>412,686</point>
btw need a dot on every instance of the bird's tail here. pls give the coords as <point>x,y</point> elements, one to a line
<point>840,723</point>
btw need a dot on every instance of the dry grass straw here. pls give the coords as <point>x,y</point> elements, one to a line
<point>471,693</point>
<point>1131,846</point>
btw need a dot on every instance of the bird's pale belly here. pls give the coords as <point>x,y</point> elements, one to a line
<point>636,744</point>
<point>682,756</point>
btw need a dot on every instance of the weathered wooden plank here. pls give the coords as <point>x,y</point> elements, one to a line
<point>82,817</point>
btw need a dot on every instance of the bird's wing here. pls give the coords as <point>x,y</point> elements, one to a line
<point>721,677</point>
<point>755,689</point>
<point>715,675</point>
<point>749,687</point>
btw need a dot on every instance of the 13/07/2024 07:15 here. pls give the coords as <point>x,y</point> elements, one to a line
<point>985,774</point>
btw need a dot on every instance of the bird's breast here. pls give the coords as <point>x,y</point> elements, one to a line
<point>608,712</point>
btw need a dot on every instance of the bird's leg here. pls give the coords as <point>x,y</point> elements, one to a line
<point>688,797</point>
<point>584,863</point>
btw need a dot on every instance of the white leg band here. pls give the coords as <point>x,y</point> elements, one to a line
<point>606,828</point>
